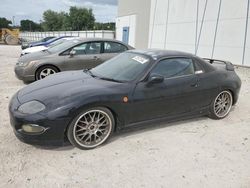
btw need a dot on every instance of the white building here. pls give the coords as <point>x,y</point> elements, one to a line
<point>209,28</point>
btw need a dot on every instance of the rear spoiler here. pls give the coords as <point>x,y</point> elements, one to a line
<point>229,65</point>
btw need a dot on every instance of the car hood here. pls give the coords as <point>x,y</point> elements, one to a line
<point>63,86</point>
<point>34,56</point>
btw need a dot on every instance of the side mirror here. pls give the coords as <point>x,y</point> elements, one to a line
<point>72,53</point>
<point>155,78</point>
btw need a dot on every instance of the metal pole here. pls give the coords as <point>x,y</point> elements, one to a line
<point>216,28</point>
<point>197,21</point>
<point>166,31</point>
<point>245,38</point>
<point>202,21</point>
<point>153,24</point>
<point>13,17</point>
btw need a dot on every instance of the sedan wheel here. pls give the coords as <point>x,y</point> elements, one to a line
<point>91,128</point>
<point>222,105</point>
<point>45,71</point>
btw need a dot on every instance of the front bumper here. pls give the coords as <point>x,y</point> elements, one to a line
<point>23,74</point>
<point>55,127</point>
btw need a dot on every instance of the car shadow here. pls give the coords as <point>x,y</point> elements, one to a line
<point>146,127</point>
<point>27,82</point>
<point>66,146</point>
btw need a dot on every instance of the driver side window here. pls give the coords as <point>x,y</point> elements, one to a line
<point>174,67</point>
<point>88,48</point>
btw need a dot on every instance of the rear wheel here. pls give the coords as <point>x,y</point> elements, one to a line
<point>91,128</point>
<point>11,40</point>
<point>45,71</point>
<point>222,104</point>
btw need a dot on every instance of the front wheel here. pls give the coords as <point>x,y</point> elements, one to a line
<point>91,128</point>
<point>221,105</point>
<point>45,71</point>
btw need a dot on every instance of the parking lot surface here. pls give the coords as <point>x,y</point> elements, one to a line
<point>193,153</point>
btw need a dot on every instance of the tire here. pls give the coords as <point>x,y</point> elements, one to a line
<point>91,128</point>
<point>4,38</point>
<point>45,71</point>
<point>11,40</point>
<point>221,105</point>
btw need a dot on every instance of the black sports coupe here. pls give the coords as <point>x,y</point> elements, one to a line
<point>135,87</point>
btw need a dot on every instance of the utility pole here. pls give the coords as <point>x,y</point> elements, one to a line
<point>13,21</point>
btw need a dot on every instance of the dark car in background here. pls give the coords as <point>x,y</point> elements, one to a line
<point>128,90</point>
<point>46,43</point>
<point>41,48</point>
<point>70,55</point>
<point>26,44</point>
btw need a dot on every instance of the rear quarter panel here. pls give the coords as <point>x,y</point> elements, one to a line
<point>225,80</point>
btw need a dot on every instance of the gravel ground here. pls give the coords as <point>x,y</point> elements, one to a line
<point>194,153</point>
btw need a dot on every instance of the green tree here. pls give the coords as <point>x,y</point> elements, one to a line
<point>81,18</point>
<point>29,25</point>
<point>104,26</point>
<point>4,23</point>
<point>77,19</point>
<point>53,21</point>
<point>66,26</point>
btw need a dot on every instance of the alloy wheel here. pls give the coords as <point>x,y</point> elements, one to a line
<point>92,128</point>
<point>223,104</point>
<point>46,72</point>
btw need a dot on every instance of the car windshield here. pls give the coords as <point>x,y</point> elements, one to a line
<point>63,46</point>
<point>124,67</point>
<point>57,42</point>
<point>52,40</point>
<point>46,39</point>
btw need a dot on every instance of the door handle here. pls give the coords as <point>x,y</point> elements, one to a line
<point>195,84</point>
<point>96,58</point>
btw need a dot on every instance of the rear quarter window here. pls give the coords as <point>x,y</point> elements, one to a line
<point>114,47</point>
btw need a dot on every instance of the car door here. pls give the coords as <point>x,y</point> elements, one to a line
<point>84,56</point>
<point>176,95</point>
<point>111,49</point>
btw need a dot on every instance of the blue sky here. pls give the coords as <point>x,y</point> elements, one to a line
<point>104,10</point>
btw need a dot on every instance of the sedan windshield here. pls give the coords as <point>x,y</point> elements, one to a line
<point>51,40</point>
<point>124,67</point>
<point>63,46</point>
<point>57,42</point>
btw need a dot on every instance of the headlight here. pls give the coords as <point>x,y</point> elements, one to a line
<point>25,63</point>
<point>32,62</point>
<point>31,107</point>
<point>22,64</point>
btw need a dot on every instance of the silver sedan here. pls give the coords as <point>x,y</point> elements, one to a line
<point>70,55</point>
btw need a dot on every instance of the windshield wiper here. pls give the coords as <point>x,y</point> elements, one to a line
<point>89,72</point>
<point>100,77</point>
<point>111,79</point>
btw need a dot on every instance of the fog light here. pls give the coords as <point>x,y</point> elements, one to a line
<point>32,128</point>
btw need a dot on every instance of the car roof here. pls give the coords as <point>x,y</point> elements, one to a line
<point>101,39</point>
<point>157,53</point>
